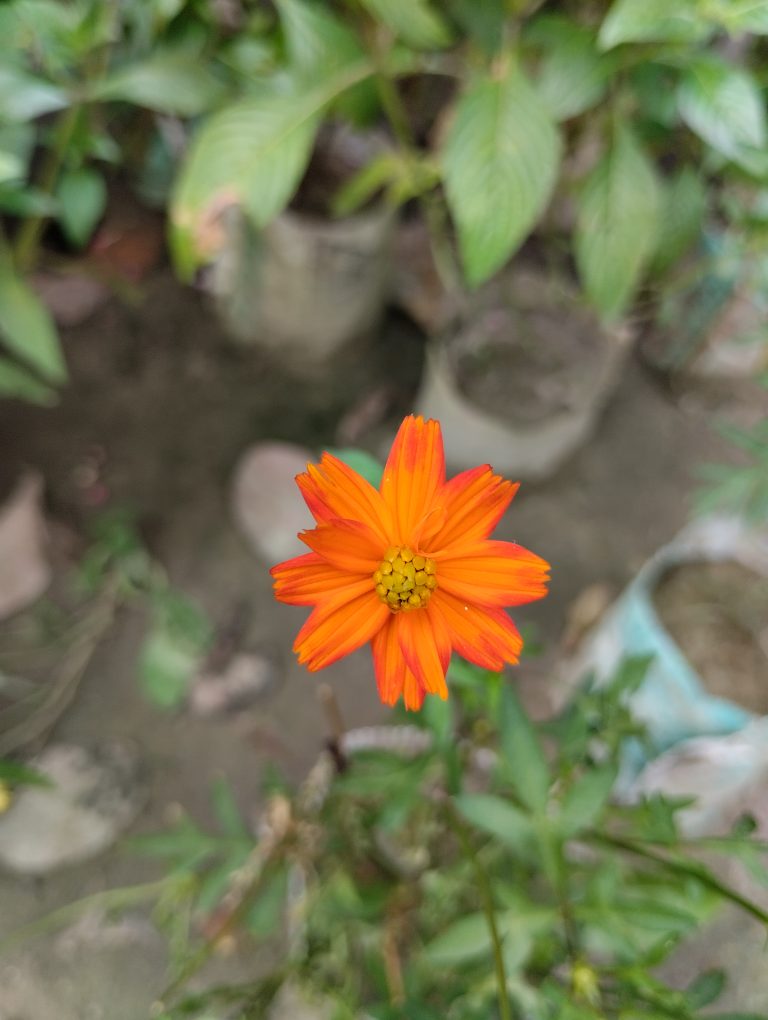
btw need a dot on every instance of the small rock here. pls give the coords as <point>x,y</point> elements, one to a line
<point>95,795</point>
<point>24,570</point>
<point>70,297</point>
<point>240,682</point>
<point>266,501</point>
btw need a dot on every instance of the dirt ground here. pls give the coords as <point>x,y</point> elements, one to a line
<point>164,404</point>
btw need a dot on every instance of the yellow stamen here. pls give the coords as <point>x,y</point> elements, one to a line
<point>403,580</point>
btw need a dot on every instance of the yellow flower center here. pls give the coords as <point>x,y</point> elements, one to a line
<point>404,580</point>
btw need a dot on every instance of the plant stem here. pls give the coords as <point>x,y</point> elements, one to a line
<point>432,208</point>
<point>486,894</point>
<point>28,238</point>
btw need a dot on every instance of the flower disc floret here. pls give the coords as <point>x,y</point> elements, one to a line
<point>405,580</point>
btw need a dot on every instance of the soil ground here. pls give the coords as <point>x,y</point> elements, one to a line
<point>164,405</point>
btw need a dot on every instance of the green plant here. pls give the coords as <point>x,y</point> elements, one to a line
<point>86,88</point>
<point>634,115</point>
<point>454,869</point>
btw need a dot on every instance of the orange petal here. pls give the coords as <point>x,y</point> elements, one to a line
<point>485,636</point>
<point>348,545</point>
<point>413,475</point>
<point>413,692</point>
<point>337,627</point>
<point>332,489</point>
<point>475,501</point>
<point>426,644</point>
<point>494,574</point>
<point>388,662</point>
<point>304,580</point>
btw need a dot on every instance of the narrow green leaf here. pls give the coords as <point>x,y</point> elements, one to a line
<point>415,21</point>
<point>617,224</point>
<point>227,811</point>
<point>572,76</point>
<point>500,163</point>
<point>16,144</point>
<point>24,97</point>
<point>724,106</point>
<point>523,761</point>
<point>26,327</point>
<point>638,21</point>
<point>363,186</point>
<point>82,197</point>
<point>16,381</point>
<point>15,774</point>
<point>496,817</point>
<point>462,941</point>
<point>684,205</point>
<point>585,801</point>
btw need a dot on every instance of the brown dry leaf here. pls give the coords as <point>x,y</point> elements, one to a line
<point>24,569</point>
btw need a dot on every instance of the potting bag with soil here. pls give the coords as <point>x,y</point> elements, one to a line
<point>675,701</point>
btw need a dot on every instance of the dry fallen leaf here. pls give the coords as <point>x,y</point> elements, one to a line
<point>24,569</point>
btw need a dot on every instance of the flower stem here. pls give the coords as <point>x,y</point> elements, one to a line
<point>486,895</point>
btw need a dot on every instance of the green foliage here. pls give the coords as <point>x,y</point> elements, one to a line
<point>500,163</point>
<point>384,865</point>
<point>82,197</point>
<point>740,489</point>
<point>617,226</point>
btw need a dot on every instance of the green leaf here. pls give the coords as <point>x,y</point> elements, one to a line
<point>26,328</point>
<point>462,941</point>
<point>169,81</point>
<point>706,988</point>
<point>82,197</point>
<point>617,224</point>
<point>684,205</point>
<point>724,106</point>
<point>638,21</point>
<point>585,801</point>
<point>364,463</point>
<point>265,915</point>
<point>15,381</point>
<point>251,154</point>
<point>380,172</point>
<point>523,761</point>
<point>16,144</point>
<point>416,22</point>
<point>482,20</point>
<point>227,811</point>
<point>572,76</point>
<point>166,666</point>
<point>24,97</point>
<point>737,16</point>
<point>316,41</point>
<point>496,817</point>
<point>15,774</point>
<point>500,164</point>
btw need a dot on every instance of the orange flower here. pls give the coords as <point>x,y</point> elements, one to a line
<point>409,568</point>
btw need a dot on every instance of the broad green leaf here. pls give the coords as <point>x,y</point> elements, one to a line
<point>26,327</point>
<point>316,40</point>
<point>724,106</point>
<point>251,154</point>
<point>572,76</point>
<point>415,21</point>
<point>496,817</point>
<point>585,801</point>
<point>640,21</point>
<point>18,199</point>
<point>482,20</point>
<point>684,205</point>
<point>364,463</point>
<point>168,82</point>
<point>500,163</point>
<point>706,988</point>
<point>523,761</point>
<point>617,224</point>
<point>16,381</point>
<point>82,197</point>
<point>24,97</point>
<point>738,16</point>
